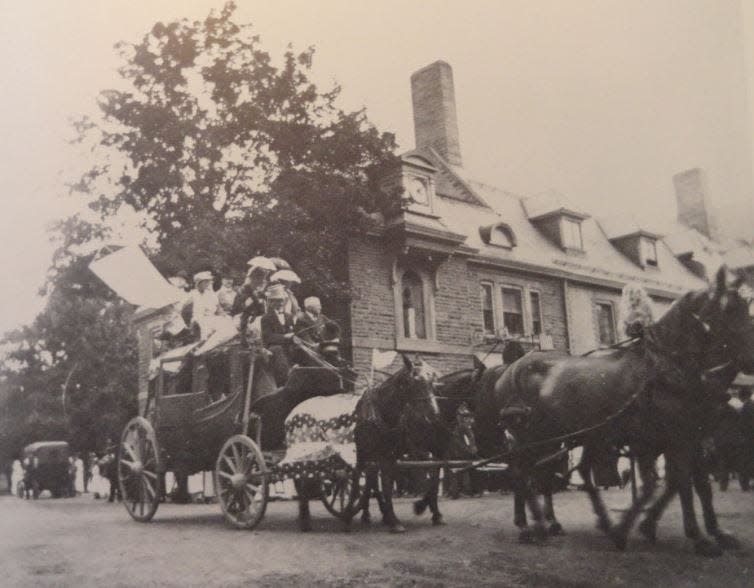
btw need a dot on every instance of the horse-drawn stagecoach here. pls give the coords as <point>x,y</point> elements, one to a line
<point>655,395</point>
<point>187,426</point>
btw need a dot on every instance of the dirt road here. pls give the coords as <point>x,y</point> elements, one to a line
<point>86,542</point>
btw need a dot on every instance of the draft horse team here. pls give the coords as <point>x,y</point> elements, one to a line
<point>656,394</point>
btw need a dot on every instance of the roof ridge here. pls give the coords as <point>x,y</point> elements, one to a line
<point>459,178</point>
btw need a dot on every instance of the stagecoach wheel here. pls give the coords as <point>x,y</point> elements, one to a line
<point>241,483</point>
<point>341,494</point>
<point>138,469</point>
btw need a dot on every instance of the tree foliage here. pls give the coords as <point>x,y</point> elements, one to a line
<point>224,153</point>
<point>71,374</point>
<point>230,154</point>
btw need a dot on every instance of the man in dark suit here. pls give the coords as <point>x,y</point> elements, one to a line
<point>249,302</point>
<point>277,332</point>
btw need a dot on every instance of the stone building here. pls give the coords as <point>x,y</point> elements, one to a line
<point>465,261</point>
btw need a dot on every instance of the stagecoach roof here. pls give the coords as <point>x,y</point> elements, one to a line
<point>48,445</point>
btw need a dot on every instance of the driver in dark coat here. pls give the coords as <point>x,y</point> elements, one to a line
<point>277,332</point>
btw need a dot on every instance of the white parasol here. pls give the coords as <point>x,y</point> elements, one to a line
<point>262,262</point>
<point>280,263</point>
<point>285,275</point>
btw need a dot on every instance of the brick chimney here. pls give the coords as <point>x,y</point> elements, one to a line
<point>434,102</point>
<point>691,197</point>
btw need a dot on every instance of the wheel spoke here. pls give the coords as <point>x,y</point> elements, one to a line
<point>225,475</point>
<point>236,456</point>
<point>250,497</point>
<point>253,488</point>
<point>130,451</point>
<point>148,488</point>
<point>229,461</point>
<point>149,474</point>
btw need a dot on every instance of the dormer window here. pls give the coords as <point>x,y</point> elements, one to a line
<point>570,231</point>
<point>633,239</point>
<point>640,247</point>
<point>649,251</point>
<point>499,235</point>
<point>558,219</point>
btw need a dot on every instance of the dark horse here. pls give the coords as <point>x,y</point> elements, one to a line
<point>400,414</point>
<point>474,386</point>
<point>656,396</point>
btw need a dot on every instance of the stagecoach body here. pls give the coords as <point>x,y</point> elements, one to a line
<point>220,412</point>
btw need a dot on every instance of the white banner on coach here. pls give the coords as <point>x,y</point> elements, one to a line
<point>130,274</point>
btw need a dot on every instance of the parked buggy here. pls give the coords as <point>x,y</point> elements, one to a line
<point>47,466</point>
<point>220,411</point>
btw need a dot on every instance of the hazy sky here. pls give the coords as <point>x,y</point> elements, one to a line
<point>602,100</point>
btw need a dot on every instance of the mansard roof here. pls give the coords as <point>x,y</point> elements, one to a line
<point>472,205</point>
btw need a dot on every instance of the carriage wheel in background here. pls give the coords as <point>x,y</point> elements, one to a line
<point>241,482</point>
<point>341,494</point>
<point>138,469</point>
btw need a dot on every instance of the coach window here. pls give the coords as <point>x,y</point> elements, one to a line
<point>488,311</point>
<point>414,312</point>
<point>513,311</point>
<point>606,323</point>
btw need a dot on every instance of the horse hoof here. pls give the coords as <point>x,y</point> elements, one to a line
<point>555,529</point>
<point>649,530</point>
<point>706,548</point>
<point>727,541</point>
<point>397,529</point>
<point>419,507</point>
<point>366,520</point>
<point>437,520</point>
<point>532,535</point>
<point>305,526</point>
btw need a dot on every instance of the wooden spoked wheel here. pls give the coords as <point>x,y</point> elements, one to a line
<point>241,482</point>
<point>341,494</point>
<point>138,469</point>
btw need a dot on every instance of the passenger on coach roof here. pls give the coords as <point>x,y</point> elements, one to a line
<point>277,332</point>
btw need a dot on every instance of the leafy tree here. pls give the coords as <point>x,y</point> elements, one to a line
<point>71,374</point>
<point>224,154</point>
<point>228,154</point>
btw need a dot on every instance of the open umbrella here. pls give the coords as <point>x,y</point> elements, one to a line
<point>280,263</point>
<point>285,275</point>
<point>262,262</point>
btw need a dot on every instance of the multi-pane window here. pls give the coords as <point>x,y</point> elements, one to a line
<point>606,323</point>
<point>571,234</point>
<point>414,315</point>
<point>488,313</point>
<point>513,311</point>
<point>649,251</point>
<point>536,313</point>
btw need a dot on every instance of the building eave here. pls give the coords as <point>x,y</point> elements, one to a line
<point>662,291</point>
